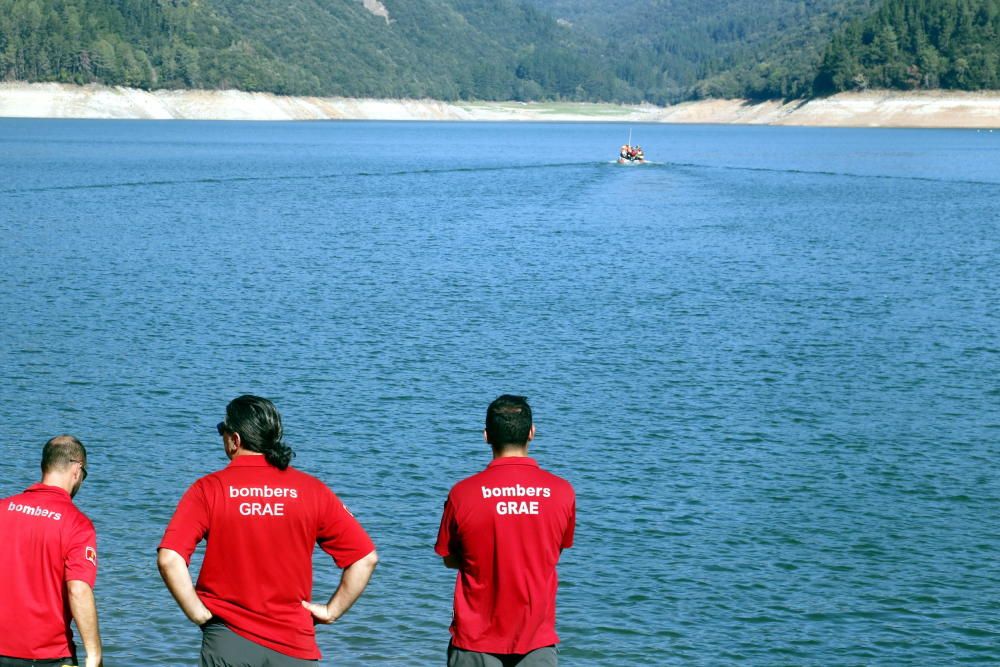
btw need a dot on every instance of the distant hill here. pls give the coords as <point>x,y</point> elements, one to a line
<point>679,49</point>
<point>659,51</point>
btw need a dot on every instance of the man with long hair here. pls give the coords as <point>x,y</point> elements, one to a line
<point>262,519</point>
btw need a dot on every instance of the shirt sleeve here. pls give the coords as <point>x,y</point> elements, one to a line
<point>340,534</point>
<point>189,524</point>
<point>567,540</point>
<point>81,554</point>
<point>447,531</point>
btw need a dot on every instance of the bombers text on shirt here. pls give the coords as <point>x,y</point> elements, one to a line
<point>262,509</point>
<point>34,511</point>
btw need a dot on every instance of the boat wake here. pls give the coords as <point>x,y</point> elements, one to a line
<point>647,164</point>
<point>838,174</point>
<point>279,178</point>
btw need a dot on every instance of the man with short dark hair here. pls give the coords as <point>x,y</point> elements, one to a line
<point>48,566</point>
<point>504,529</point>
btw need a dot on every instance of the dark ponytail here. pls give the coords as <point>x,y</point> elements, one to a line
<point>279,455</point>
<point>259,425</point>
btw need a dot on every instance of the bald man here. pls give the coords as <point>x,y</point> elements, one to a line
<point>48,566</point>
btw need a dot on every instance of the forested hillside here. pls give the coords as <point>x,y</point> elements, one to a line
<point>678,49</point>
<point>444,49</point>
<point>682,49</point>
<point>913,44</point>
<point>659,51</point>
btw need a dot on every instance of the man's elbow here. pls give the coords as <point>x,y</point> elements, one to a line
<point>166,560</point>
<point>79,590</point>
<point>370,561</point>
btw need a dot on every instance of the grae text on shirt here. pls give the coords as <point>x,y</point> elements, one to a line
<point>268,508</point>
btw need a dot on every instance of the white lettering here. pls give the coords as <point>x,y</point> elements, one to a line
<point>505,507</point>
<point>517,491</point>
<point>262,492</point>
<point>262,509</point>
<point>34,511</point>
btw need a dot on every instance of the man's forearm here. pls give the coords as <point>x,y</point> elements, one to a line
<point>353,581</point>
<point>176,576</point>
<point>83,606</point>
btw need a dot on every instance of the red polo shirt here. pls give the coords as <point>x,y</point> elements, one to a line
<point>262,525</point>
<point>46,541</point>
<point>507,525</point>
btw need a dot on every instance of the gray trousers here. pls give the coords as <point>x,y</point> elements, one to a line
<point>547,656</point>
<point>221,647</point>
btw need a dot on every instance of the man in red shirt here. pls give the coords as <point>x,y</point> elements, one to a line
<point>504,529</point>
<point>48,566</point>
<point>262,519</point>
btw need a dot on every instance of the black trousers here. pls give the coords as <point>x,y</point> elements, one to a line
<point>25,662</point>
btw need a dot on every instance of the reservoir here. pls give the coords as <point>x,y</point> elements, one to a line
<point>768,361</point>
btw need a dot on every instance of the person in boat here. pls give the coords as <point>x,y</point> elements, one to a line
<point>639,155</point>
<point>623,154</point>
<point>631,153</point>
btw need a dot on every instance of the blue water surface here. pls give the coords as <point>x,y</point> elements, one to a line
<point>768,361</point>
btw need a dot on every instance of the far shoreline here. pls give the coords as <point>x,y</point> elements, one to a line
<point>888,109</point>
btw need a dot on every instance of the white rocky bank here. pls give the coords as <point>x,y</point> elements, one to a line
<point>867,109</point>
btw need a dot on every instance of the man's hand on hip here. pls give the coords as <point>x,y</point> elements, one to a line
<point>320,612</point>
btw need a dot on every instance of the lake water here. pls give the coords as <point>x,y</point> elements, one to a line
<point>768,362</point>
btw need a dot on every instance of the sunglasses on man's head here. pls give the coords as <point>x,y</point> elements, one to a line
<point>222,428</point>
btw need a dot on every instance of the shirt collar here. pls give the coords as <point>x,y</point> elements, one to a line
<point>249,462</point>
<point>47,488</point>
<point>513,461</point>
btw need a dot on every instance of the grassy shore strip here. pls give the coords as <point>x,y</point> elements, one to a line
<point>579,110</point>
<point>944,109</point>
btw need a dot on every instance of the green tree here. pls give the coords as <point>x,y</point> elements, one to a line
<point>918,44</point>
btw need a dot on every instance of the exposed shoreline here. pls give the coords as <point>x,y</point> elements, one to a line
<point>926,109</point>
